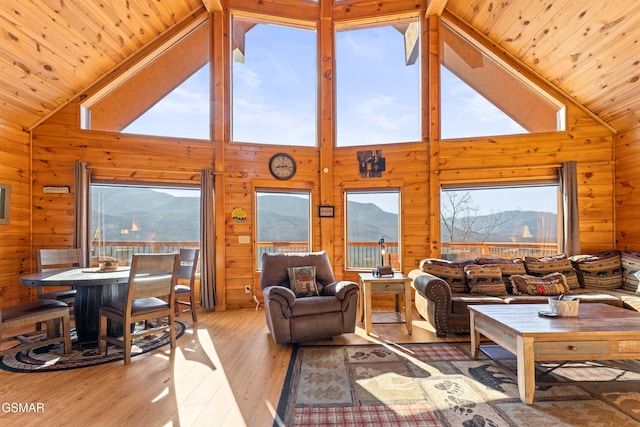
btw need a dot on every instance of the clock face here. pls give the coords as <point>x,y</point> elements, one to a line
<point>282,166</point>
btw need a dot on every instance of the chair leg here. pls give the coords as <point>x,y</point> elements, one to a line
<point>194,315</point>
<point>172,331</point>
<point>127,345</point>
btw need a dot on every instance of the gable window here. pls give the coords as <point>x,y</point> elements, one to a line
<point>372,228</point>
<point>503,222</point>
<point>274,75</point>
<point>169,95</point>
<point>378,83</point>
<point>482,96</point>
<point>131,219</point>
<point>283,222</point>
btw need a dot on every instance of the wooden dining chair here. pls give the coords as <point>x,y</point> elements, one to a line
<point>185,289</point>
<point>14,319</point>
<point>150,297</point>
<point>48,259</point>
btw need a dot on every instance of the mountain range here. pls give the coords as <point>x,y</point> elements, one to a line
<point>142,214</point>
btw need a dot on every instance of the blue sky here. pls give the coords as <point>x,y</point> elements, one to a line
<point>377,97</point>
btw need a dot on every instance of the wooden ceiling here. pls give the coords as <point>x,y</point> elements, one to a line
<point>52,50</point>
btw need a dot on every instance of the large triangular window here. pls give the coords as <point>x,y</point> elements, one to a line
<point>168,95</point>
<point>482,96</point>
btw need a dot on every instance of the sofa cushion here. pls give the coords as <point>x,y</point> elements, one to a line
<point>548,285</point>
<point>485,280</point>
<point>553,264</point>
<point>451,272</point>
<point>602,270</point>
<point>508,267</point>
<point>303,281</point>
<point>630,262</point>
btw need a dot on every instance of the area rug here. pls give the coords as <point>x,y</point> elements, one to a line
<point>52,358</point>
<point>439,384</point>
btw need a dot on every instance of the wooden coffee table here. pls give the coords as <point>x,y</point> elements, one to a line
<point>398,284</point>
<point>599,332</point>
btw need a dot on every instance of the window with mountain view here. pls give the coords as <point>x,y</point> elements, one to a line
<point>127,220</point>
<point>373,220</point>
<point>503,222</point>
<point>283,222</point>
<point>482,96</point>
<point>274,83</point>
<point>378,83</point>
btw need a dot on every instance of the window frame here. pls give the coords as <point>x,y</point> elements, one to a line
<point>283,22</point>
<point>342,26</point>
<point>136,184</point>
<point>279,190</point>
<point>462,186</point>
<point>395,188</point>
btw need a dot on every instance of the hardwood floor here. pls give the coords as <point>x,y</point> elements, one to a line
<point>226,371</point>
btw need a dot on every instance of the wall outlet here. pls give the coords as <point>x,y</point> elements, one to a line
<point>247,290</point>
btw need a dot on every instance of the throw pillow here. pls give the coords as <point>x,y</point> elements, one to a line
<point>303,281</point>
<point>549,285</point>
<point>630,261</point>
<point>508,267</point>
<point>602,270</point>
<point>553,264</point>
<point>451,272</point>
<point>485,280</point>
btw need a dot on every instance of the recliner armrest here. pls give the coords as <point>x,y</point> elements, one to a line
<point>286,295</point>
<point>340,289</point>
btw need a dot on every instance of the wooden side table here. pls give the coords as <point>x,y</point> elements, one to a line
<point>397,285</point>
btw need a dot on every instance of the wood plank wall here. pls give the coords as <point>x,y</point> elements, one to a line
<point>412,167</point>
<point>627,189</point>
<point>14,237</point>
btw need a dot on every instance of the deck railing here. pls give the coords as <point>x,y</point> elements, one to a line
<point>360,254</point>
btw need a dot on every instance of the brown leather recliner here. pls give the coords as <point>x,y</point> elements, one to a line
<point>292,319</point>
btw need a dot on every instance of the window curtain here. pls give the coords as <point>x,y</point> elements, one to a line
<point>571,219</point>
<point>82,181</point>
<point>207,242</point>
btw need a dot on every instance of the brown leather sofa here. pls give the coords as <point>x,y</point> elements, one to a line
<point>438,301</point>
<point>291,319</point>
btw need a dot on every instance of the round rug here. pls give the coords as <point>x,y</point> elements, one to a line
<point>52,358</point>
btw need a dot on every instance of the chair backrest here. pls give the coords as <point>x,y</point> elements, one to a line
<point>274,268</point>
<point>57,258</point>
<point>188,265</point>
<point>152,275</point>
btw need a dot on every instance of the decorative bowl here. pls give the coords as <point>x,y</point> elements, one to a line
<point>108,265</point>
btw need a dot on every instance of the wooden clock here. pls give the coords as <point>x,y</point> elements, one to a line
<point>282,166</point>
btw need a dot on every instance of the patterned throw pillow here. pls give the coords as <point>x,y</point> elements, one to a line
<point>303,281</point>
<point>630,261</point>
<point>599,271</point>
<point>451,272</point>
<point>554,264</point>
<point>508,267</point>
<point>549,285</point>
<point>485,280</point>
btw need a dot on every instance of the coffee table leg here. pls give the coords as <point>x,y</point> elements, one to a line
<point>526,369</point>
<point>475,335</point>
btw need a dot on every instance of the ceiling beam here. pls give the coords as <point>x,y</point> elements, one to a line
<point>213,5</point>
<point>435,7</point>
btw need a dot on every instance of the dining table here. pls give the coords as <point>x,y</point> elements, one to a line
<point>93,289</point>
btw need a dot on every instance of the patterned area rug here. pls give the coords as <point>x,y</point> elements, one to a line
<point>440,385</point>
<point>52,358</point>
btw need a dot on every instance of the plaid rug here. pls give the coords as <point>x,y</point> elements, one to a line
<point>439,384</point>
<point>52,358</point>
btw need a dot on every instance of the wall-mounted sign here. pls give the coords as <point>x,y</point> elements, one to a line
<point>371,163</point>
<point>238,214</point>
<point>56,189</point>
